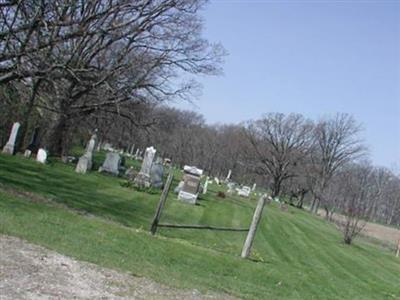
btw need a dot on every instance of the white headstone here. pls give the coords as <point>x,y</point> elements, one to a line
<point>9,148</point>
<point>254,187</point>
<point>41,156</point>
<point>228,177</point>
<point>85,161</point>
<point>244,191</point>
<point>137,153</point>
<point>205,186</point>
<point>143,178</point>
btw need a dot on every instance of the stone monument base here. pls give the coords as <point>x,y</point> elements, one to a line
<point>27,153</point>
<point>8,149</point>
<point>142,180</point>
<point>84,164</point>
<point>187,197</point>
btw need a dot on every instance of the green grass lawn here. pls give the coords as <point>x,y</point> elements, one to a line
<point>93,217</point>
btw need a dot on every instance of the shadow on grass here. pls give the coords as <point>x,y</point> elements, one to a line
<point>95,194</point>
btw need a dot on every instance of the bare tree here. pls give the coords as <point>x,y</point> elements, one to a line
<point>279,142</point>
<point>357,188</point>
<point>92,56</point>
<point>336,143</point>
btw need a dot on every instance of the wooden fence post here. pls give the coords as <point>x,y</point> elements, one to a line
<point>398,249</point>
<point>163,198</point>
<point>253,227</point>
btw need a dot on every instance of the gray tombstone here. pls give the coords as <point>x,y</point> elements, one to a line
<point>191,185</point>
<point>254,187</point>
<point>111,164</point>
<point>41,156</point>
<point>85,161</point>
<point>143,179</point>
<point>156,175</point>
<point>9,148</point>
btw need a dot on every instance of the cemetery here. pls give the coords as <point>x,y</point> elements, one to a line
<point>203,253</point>
<point>194,149</point>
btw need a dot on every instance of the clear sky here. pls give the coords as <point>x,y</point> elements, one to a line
<point>311,57</point>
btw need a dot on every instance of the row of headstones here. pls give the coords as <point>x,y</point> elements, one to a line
<point>189,188</point>
<point>243,191</point>
<point>151,172</point>
<point>111,164</point>
<point>33,147</point>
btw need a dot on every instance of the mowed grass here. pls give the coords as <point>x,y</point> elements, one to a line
<point>94,218</point>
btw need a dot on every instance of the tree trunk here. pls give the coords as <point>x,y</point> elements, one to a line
<point>26,117</point>
<point>313,204</point>
<point>347,240</point>
<point>58,138</point>
<point>326,212</point>
<point>301,201</point>
<point>317,206</point>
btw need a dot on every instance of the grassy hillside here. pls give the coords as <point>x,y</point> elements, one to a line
<point>94,218</point>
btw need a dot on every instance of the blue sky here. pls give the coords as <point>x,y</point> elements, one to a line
<point>311,57</point>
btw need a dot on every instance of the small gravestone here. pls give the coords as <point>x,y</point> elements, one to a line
<point>34,144</point>
<point>143,179</point>
<point>244,191</point>
<point>107,147</point>
<point>205,186</point>
<point>85,161</point>
<point>136,154</point>
<point>231,188</point>
<point>130,174</point>
<point>9,148</point>
<point>216,180</point>
<point>41,156</point>
<point>156,175</point>
<point>132,148</point>
<point>190,189</point>
<point>179,187</point>
<point>228,177</point>
<point>167,162</point>
<point>111,164</point>
<point>68,159</point>
<point>254,187</point>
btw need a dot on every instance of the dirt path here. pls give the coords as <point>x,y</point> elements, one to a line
<point>381,232</point>
<point>28,271</point>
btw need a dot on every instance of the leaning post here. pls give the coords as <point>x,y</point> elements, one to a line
<point>253,227</point>
<point>163,198</point>
<point>398,249</point>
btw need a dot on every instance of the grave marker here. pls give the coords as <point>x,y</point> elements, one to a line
<point>191,185</point>
<point>85,161</point>
<point>9,148</point>
<point>143,178</point>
